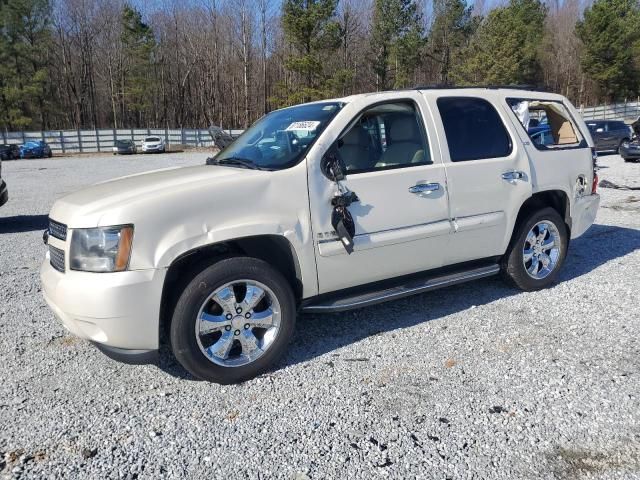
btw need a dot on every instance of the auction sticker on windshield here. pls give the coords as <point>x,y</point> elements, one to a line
<point>309,125</point>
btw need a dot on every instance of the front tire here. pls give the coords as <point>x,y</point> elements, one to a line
<point>536,251</point>
<point>233,320</point>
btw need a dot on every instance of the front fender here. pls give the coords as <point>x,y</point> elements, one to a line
<point>297,236</point>
<point>170,224</point>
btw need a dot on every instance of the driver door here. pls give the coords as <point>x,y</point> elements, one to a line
<point>402,216</point>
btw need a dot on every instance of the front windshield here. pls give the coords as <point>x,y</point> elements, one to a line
<point>278,140</point>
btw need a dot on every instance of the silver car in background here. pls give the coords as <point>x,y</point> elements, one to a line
<point>153,145</point>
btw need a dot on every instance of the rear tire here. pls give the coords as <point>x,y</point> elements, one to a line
<point>537,251</point>
<point>219,336</point>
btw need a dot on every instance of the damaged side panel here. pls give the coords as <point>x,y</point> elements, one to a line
<point>201,219</point>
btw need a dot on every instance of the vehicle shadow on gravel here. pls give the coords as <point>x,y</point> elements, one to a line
<point>320,334</point>
<point>23,223</point>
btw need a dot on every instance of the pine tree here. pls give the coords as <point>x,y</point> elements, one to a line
<point>453,25</point>
<point>139,44</point>
<point>397,39</point>
<point>24,42</point>
<point>311,29</point>
<point>506,48</point>
<point>610,33</point>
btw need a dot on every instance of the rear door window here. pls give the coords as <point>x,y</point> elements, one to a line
<point>473,128</point>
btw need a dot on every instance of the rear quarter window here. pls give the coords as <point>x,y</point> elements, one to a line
<point>561,128</point>
<point>473,128</point>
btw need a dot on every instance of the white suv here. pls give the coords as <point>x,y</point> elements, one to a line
<point>320,207</point>
<point>153,145</point>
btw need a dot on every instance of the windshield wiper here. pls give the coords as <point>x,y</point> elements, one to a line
<point>234,161</point>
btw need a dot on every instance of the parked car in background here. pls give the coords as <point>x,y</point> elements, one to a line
<point>536,126</point>
<point>9,152</point>
<point>4,194</point>
<point>35,149</point>
<point>124,147</point>
<point>153,145</point>
<point>609,134</point>
<point>630,151</point>
<point>542,137</point>
<point>320,207</point>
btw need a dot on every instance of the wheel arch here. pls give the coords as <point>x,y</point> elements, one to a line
<point>556,199</point>
<point>271,248</point>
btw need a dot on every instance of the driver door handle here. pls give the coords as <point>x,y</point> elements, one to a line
<point>424,188</point>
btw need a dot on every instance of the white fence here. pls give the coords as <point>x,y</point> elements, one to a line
<point>103,140</point>
<point>626,111</point>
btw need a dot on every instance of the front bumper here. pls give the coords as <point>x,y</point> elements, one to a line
<point>119,312</point>
<point>584,214</point>
<point>153,148</point>
<point>4,193</point>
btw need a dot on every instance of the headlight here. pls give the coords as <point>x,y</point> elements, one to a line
<point>103,249</point>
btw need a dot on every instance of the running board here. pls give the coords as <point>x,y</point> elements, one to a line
<point>412,287</point>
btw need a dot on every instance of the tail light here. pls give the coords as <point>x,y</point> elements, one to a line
<point>594,158</point>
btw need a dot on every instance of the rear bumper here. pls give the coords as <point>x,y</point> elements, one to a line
<point>118,311</point>
<point>4,193</point>
<point>584,214</point>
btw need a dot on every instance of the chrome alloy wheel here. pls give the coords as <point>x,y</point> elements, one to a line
<point>238,323</point>
<point>541,250</point>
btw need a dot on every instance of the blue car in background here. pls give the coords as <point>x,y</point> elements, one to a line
<point>536,126</point>
<point>35,149</point>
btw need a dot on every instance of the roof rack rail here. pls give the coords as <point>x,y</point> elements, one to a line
<point>490,87</point>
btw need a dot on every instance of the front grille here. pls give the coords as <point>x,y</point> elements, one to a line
<point>58,230</point>
<point>56,258</point>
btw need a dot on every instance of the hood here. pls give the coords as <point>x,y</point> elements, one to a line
<point>112,202</point>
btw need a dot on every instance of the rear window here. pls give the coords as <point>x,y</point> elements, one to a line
<point>473,128</point>
<point>618,126</point>
<point>152,139</point>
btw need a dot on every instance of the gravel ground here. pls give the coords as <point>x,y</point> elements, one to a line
<point>473,381</point>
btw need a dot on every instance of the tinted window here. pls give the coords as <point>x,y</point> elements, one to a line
<point>388,135</point>
<point>473,128</point>
<point>618,126</point>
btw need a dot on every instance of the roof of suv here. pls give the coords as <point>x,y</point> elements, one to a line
<point>505,91</point>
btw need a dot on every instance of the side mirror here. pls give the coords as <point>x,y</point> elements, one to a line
<point>332,166</point>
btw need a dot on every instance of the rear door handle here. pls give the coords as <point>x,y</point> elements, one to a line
<point>424,188</point>
<point>513,176</point>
